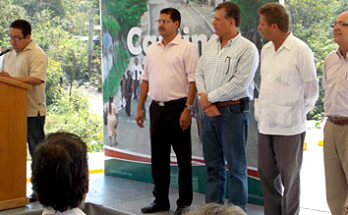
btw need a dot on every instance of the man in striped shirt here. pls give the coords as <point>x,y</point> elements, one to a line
<point>224,80</point>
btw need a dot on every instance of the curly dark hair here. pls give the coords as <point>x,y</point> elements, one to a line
<point>60,171</point>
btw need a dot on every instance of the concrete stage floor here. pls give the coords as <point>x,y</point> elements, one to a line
<point>127,197</point>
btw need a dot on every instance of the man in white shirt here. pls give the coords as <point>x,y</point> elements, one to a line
<point>335,84</point>
<point>136,76</point>
<point>288,91</point>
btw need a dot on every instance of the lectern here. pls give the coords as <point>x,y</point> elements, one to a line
<point>13,139</point>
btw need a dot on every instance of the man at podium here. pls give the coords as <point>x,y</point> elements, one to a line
<point>27,63</point>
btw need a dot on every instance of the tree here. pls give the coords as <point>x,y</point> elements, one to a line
<point>58,26</point>
<point>9,13</point>
<point>311,20</point>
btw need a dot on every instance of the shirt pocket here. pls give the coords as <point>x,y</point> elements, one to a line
<point>281,116</point>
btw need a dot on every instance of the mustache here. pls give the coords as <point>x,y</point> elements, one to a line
<point>161,28</point>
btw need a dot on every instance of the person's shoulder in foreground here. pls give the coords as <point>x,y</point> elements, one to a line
<point>218,209</point>
<point>60,173</point>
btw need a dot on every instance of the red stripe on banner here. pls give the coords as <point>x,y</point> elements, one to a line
<point>137,158</point>
<point>253,173</point>
<point>126,156</point>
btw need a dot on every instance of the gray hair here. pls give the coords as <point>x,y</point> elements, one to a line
<point>217,209</point>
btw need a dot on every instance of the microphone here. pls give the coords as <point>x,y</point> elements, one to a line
<point>5,51</point>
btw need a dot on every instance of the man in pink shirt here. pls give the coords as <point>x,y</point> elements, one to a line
<point>169,81</point>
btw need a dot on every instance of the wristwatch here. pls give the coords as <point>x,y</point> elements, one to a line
<point>189,107</point>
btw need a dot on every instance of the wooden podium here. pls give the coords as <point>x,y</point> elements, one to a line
<point>13,141</point>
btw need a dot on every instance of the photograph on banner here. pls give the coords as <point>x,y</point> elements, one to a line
<point>125,39</point>
<point>128,29</point>
<point>124,52</point>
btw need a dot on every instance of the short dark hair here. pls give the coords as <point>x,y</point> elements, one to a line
<point>276,13</point>
<point>23,25</point>
<point>232,11</point>
<point>60,171</point>
<point>174,14</point>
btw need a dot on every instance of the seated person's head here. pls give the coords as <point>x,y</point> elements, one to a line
<point>217,209</point>
<point>60,171</point>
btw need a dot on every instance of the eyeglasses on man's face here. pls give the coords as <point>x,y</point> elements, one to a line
<point>340,24</point>
<point>16,38</point>
<point>164,21</point>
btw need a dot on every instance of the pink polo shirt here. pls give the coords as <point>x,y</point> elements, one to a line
<point>170,69</point>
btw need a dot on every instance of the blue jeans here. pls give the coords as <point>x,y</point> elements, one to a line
<point>225,139</point>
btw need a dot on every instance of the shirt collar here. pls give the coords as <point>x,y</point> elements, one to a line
<point>286,44</point>
<point>30,46</point>
<point>176,40</point>
<point>231,41</point>
<point>288,41</point>
<point>340,55</point>
<point>50,210</point>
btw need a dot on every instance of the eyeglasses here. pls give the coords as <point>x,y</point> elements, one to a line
<point>16,38</point>
<point>164,21</point>
<point>340,24</point>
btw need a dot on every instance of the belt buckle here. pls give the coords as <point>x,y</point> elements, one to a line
<point>161,104</point>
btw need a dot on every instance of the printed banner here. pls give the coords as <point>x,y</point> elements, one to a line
<point>129,27</point>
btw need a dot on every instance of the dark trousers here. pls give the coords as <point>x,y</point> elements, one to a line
<point>35,132</point>
<point>128,104</point>
<point>135,88</point>
<point>279,166</point>
<point>165,132</point>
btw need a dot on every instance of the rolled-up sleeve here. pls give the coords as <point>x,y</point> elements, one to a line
<point>200,76</point>
<point>190,62</point>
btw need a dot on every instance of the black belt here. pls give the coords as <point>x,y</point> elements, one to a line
<point>171,102</point>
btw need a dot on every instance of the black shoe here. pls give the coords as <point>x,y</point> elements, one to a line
<point>153,207</point>
<point>32,198</point>
<point>181,210</point>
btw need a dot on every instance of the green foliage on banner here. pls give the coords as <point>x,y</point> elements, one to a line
<point>250,19</point>
<point>111,24</point>
<point>112,82</point>
<point>118,17</point>
<point>124,14</point>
